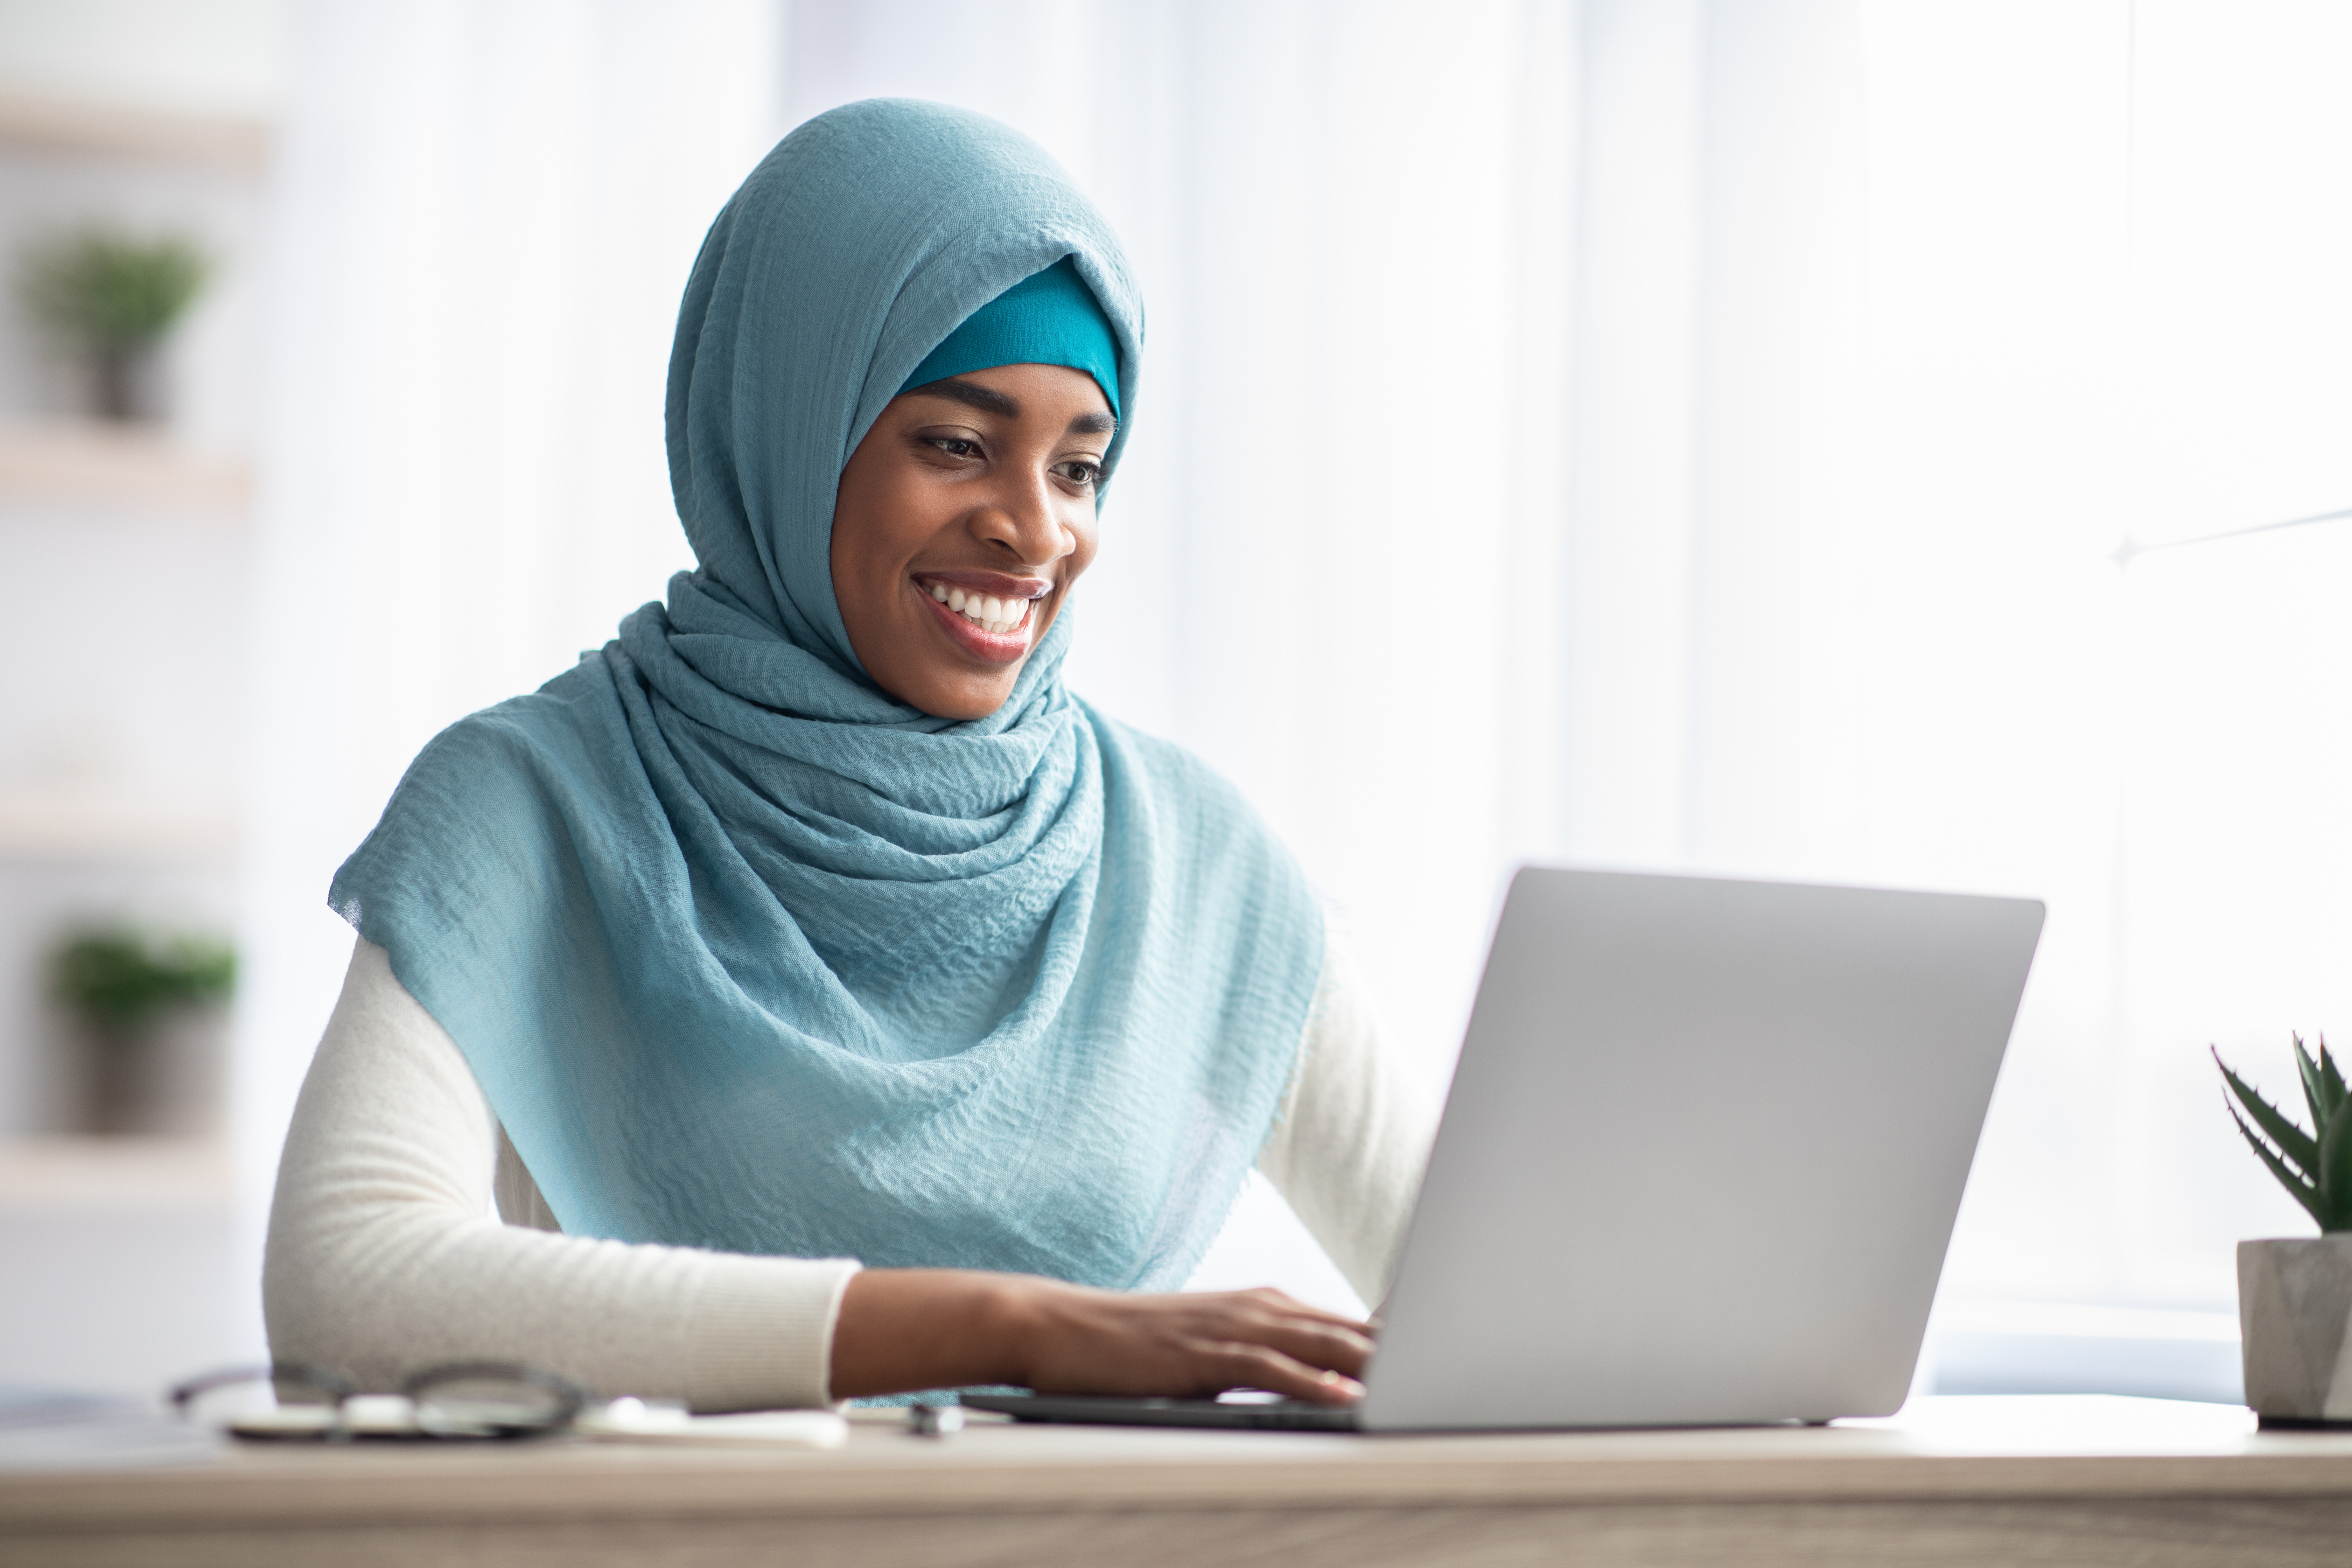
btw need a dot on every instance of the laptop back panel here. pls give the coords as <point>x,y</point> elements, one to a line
<point>1703,1153</point>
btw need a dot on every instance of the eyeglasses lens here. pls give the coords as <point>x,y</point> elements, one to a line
<point>491,1406</point>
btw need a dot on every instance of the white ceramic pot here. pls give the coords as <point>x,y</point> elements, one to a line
<point>2294,1313</point>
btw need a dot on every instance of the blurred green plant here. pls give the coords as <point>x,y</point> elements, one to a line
<point>120,982</point>
<point>113,296</point>
<point>2316,1167</point>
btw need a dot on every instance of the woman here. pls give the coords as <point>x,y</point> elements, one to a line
<point>866,1013</point>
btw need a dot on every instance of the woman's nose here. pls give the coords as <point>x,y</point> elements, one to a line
<point>1024,520</point>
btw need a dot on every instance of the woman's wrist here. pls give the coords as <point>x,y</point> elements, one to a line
<point>1006,1318</point>
<point>905,1329</point>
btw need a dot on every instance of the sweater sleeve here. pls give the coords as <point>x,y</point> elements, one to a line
<point>1350,1148</point>
<point>383,1258</point>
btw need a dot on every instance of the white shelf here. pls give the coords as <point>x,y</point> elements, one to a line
<point>86,127</point>
<point>52,826</point>
<point>93,465</point>
<point>42,1177</point>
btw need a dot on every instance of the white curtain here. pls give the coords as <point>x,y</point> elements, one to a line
<point>1694,434</point>
<point>2234,717</point>
<point>484,213</point>
<point>1891,416</point>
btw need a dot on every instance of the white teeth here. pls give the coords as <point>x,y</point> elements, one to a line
<point>998,617</point>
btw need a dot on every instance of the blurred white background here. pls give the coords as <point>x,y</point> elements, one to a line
<point>1824,438</point>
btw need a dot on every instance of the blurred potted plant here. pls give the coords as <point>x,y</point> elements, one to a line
<point>2294,1294</point>
<point>133,997</point>
<point>112,299</point>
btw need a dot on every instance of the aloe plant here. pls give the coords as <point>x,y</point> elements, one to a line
<point>2315,1167</point>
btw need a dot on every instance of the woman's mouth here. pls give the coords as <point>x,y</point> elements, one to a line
<point>994,627</point>
<point>998,617</point>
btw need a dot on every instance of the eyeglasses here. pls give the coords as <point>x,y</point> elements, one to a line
<point>462,1401</point>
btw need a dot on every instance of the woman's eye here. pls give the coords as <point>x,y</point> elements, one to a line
<point>956,445</point>
<point>1079,473</point>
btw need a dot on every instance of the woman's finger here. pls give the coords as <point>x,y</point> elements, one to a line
<point>1336,1348</point>
<point>1321,1340</point>
<point>1242,1366</point>
<point>1308,1339</point>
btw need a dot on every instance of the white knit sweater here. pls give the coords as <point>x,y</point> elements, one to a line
<point>384,1258</point>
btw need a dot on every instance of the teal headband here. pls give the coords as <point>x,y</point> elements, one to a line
<point>1048,318</point>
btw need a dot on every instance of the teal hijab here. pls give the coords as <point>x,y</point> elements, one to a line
<point>747,954</point>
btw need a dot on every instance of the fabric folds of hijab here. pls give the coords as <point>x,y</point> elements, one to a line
<point>745,953</point>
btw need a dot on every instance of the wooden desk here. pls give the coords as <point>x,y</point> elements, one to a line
<point>1984,1481</point>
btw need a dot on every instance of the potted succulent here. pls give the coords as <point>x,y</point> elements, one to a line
<point>149,1016</point>
<point>112,299</point>
<point>2294,1294</point>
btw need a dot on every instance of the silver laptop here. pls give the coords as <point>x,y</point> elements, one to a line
<point>1699,1166</point>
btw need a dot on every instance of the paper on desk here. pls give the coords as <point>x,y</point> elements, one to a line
<point>632,1421</point>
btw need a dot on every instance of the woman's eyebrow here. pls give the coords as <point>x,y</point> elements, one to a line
<point>983,398</point>
<point>1092,425</point>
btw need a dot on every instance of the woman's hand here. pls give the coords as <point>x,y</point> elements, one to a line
<point>904,1328</point>
<point>1099,1341</point>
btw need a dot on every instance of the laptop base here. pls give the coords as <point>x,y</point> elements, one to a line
<point>1099,1410</point>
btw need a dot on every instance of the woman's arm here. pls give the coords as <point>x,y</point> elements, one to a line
<point>384,1258</point>
<point>1350,1148</point>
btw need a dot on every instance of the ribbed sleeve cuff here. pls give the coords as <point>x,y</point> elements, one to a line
<point>761,1336</point>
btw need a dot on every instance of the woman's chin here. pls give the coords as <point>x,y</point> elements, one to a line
<point>954,688</point>
<point>962,702</point>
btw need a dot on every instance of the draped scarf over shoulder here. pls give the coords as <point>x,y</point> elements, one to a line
<point>747,954</point>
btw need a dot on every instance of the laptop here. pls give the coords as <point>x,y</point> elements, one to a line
<point>1699,1166</point>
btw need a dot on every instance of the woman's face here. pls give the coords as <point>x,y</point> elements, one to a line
<point>963,519</point>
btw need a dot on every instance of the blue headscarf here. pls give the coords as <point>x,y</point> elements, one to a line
<point>747,954</point>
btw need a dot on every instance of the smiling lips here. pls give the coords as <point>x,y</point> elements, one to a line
<point>998,616</point>
<point>994,627</point>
